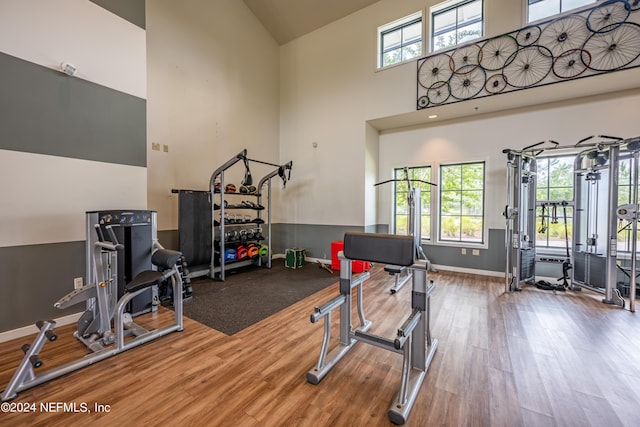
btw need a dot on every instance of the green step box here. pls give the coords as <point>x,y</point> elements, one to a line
<point>294,258</point>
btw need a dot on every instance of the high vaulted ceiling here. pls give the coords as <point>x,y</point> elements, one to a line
<point>289,19</point>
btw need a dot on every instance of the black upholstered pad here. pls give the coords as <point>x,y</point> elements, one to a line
<point>165,258</point>
<point>383,248</point>
<point>144,280</point>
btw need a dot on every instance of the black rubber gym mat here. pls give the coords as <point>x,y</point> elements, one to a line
<point>251,294</point>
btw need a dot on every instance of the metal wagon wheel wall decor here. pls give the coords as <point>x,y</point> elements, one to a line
<point>602,39</point>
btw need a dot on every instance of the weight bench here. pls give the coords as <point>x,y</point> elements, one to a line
<point>402,273</point>
<point>413,339</point>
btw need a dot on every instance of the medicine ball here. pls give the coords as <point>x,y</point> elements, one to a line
<point>230,255</point>
<point>253,251</point>
<point>242,252</point>
<point>263,250</point>
<point>252,189</point>
<point>229,188</point>
<point>244,189</point>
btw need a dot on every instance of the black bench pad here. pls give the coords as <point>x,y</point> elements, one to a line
<point>144,280</point>
<point>382,248</point>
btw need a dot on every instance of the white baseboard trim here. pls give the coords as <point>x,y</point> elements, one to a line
<point>469,270</point>
<point>33,329</point>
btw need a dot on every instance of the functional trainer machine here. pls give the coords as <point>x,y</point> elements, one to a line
<point>414,204</point>
<point>106,323</point>
<point>413,339</point>
<point>595,259</point>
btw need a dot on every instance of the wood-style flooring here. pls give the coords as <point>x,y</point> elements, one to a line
<point>532,358</point>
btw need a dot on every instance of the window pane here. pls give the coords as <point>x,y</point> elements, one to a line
<point>572,4</point>
<point>412,51</point>
<point>450,228</point>
<point>401,216</point>
<point>559,194</point>
<point>469,32</point>
<point>425,197</point>
<point>451,177</point>
<point>462,202</point>
<point>445,40</point>
<point>400,41</point>
<point>412,33</point>
<point>391,40</point>
<point>471,202</point>
<point>561,172</point>
<point>469,12</point>
<point>391,57</point>
<point>444,21</point>
<point>401,224</point>
<point>554,183</point>
<point>543,9</point>
<point>472,177</point>
<point>472,228</point>
<point>426,226</point>
<point>451,202</point>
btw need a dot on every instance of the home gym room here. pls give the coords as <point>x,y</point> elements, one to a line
<point>124,111</point>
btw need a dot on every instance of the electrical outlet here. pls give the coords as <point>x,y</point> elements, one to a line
<point>77,283</point>
<point>463,251</point>
<point>155,146</point>
<point>475,252</point>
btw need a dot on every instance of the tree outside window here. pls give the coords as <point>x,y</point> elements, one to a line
<point>401,205</point>
<point>462,202</point>
<point>624,197</point>
<point>554,184</point>
<point>400,41</point>
<point>457,23</point>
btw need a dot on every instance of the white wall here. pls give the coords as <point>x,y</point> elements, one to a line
<point>330,89</point>
<point>45,197</point>
<point>213,91</point>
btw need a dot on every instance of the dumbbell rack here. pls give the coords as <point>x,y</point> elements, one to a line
<point>229,227</point>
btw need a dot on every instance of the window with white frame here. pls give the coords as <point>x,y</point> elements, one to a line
<point>455,22</point>
<point>401,197</point>
<point>462,187</point>
<point>625,196</point>
<point>554,185</point>
<point>400,40</point>
<point>541,9</point>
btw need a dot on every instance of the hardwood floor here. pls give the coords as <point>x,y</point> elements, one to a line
<point>532,358</point>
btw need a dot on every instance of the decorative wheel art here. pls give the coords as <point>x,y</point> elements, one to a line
<point>571,63</point>
<point>434,69</point>
<point>528,66</point>
<point>608,15</point>
<point>465,58</point>
<point>564,34</point>
<point>467,81</point>
<point>614,49</point>
<point>438,93</point>
<point>496,83</point>
<point>495,52</point>
<point>529,35</point>
<point>601,39</point>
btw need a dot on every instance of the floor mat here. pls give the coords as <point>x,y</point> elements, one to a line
<point>251,294</point>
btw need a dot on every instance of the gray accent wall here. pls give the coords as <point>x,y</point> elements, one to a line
<point>34,277</point>
<point>316,240</point>
<point>131,10</point>
<point>44,111</point>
